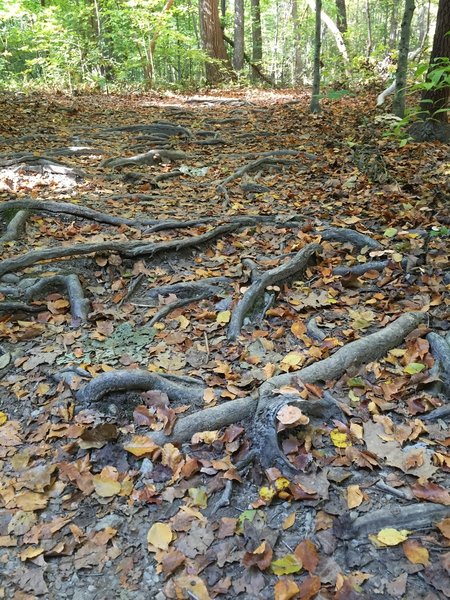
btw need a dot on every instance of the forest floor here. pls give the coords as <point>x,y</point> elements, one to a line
<point>224,350</point>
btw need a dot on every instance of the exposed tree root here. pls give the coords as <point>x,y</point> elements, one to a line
<point>15,226</point>
<point>168,308</point>
<point>79,305</point>
<point>127,249</point>
<point>166,129</point>
<point>256,290</point>
<point>73,209</point>
<point>314,330</point>
<point>355,353</point>
<point>178,389</point>
<point>360,269</point>
<point>189,288</point>
<point>344,235</point>
<point>209,419</point>
<point>440,350</point>
<point>413,516</point>
<point>11,308</point>
<point>152,157</point>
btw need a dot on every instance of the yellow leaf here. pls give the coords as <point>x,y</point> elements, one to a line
<point>106,483</point>
<point>266,494</point>
<point>3,417</point>
<point>392,537</point>
<point>140,445</point>
<point>192,584</point>
<point>289,521</point>
<point>282,484</point>
<point>223,317</point>
<point>292,359</point>
<point>340,439</point>
<point>159,537</point>
<point>30,553</point>
<point>286,565</point>
<point>207,437</point>
<point>354,496</point>
<point>198,497</point>
<point>184,323</point>
<point>298,328</point>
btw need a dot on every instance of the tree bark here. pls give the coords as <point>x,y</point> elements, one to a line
<point>238,54</point>
<point>297,44</point>
<point>341,20</point>
<point>328,21</point>
<point>218,68</point>
<point>256,32</point>
<point>393,26</point>
<point>435,101</point>
<point>315,102</point>
<point>402,65</point>
<point>369,30</point>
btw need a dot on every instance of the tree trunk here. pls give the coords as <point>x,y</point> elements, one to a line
<point>218,68</point>
<point>297,75</point>
<point>328,21</point>
<point>238,54</point>
<point>315,102</point>
<point>393,26</point>
<point>435,101</point>
<point>341,20</point>
<point>402,65</point>
<point>256,32</point>
<point>150,51</point>
<point>369,30</point>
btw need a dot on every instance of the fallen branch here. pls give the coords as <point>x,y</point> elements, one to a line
<point>440,350</point>
<point>256,290</point>
<point>178,389</point>
<point>127,249</point>
<point>168,308</point>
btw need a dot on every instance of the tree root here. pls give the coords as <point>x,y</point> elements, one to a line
<point>168,308</point>
<point>411,517</point>
<point>256,290</point>
<point>73,209</point>
<point>178,389</point>
<point>189,288</point>
<point>79,305</point>
<point>15,307</point>
<point>344,235</point>
<point>262,161</point>
<point>264,432</point>
<point>355,353</point>
<point>209,419</point>
<point>166,129</point>
<point>127,249</point>
<point>360,269</point>
<point>15,226</point>
<point>153,157</point>
<point>440,350</point>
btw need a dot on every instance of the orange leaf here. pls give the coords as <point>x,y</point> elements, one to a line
<point>285,589</point>
<point>415,553</point>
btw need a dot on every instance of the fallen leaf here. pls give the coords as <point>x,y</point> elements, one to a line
<point>416,553</point>
<point>286,565</point>
<point>159,537</point>
<point>285,589</point>
<point>354,496</point>
<point>392,537</point>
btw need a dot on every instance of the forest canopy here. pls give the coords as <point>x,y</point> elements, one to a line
<point>140,44</point>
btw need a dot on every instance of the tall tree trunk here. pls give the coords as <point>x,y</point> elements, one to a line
<point>152,46</point>
<point>393,25</point>
<point>223,8</point>
<point>315,101</point>
<point>297,44</point>
<point>217,70</point>
<point>435,101</point>
<point>256,32</point>
<point>341,20</point>
<point>369,29</point>
<point>402,65</point>
<point>328,21</point>
<point>238,54</point>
